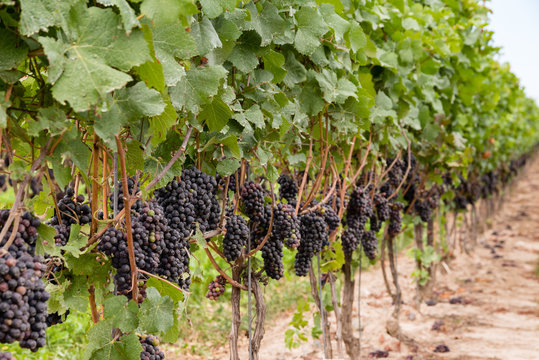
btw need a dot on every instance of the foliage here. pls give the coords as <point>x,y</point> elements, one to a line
<point>258,83</point>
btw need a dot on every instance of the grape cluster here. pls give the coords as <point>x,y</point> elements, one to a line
<point>131,185</point>
<point>286,225</point>
<point>72,210</point>
<point>252,196</point>
<point>369,242</point>
<point>396,172</point>
<point>174,261</point>
<point>186,203</point>
<point>358,212</point>
<point>216,288</point>
<point>330,217</point>
<point>313,235</point>
<point>395,219</point>
<point>489,184</point>
<point>231,182</point>
<point>150,349</point>
<point>272,253</point>
<point>23,301</point>
<point>288,189</point>
<point>237,234</point>
<point>350,239</point>
<point>25,236</point>
<point>6,356</point>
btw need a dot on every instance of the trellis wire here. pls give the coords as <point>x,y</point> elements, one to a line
<point>322,317</point>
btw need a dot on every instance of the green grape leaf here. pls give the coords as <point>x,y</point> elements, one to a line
<point>167,11</point>
<point>310,27</point>
<point>357,37</point>
<point>216,114</point>
<point>268,23</point>
<point>160,124</point>
<point>205,36</point>
<point>196,87</point>
<point>227,167</point>
<point>214,8</point>
<point>125,105</point>
<point>90,58</point>
<point>339,25</point>
<point>4,104</point>
<point>295,71</point>
<point>273,62</point>
<point>76,293</point>
<point>12,51</point>
<point>165,289</point>
<point>76,241</point>
<point>129,18</point>
<point>40,14</point>
<point>53,119</point>
<point>135,157</point>
<point>102,346</point>
<point>45,241</point>
<point>122,311</point>
<point>156,312</point>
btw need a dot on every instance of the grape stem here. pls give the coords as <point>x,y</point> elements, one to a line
<point>164,280</point>
<point>127,207</point>
<point>176,156</point>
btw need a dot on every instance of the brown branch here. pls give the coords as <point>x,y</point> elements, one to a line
<point>305,173</point>
<point>13,231</point>
<point>95,184</point>
<point>176,156</point>
<point>20,191</point>
<point>407,170</point>
<point>164,280</point>
<point>127,207</point>
<point>218,268</point>
<point>363,161</point>
<point>93,307</point>
<point>53,196</point>
<point>270,227</point>
<point>105,185</point>
<point>346,171</point>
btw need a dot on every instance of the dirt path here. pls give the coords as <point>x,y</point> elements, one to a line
<point>487,303</point>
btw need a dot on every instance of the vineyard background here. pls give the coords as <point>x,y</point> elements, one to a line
<point>177,176</point>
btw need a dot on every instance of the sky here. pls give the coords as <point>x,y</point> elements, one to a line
<point>516,28</point>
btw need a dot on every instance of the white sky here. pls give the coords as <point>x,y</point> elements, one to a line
<point>516,28</point>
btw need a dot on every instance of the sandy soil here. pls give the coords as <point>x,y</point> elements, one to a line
<point>494,291</point>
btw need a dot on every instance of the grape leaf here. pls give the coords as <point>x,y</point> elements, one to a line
<point>102,346</point>
<point>167,11</point>
<point>156,312</point>
<point>122,311</point>
<point>216,114</point>
<point>90,57</point>
<point>172,41</point>
<point>197,87</point>
<point>12,53</point>
<point>129,18</point>
<point>40,14</point>
<point>205,36</point>
<point>311,26</point>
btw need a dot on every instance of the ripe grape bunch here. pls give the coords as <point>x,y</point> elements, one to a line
<point>358,211</point>
<point>150,349</point>
<point>216,288</point>
<point>6,356</point>
<point>132,189</point>
<point>237,234</point>
<point>286,225</point>
<point>314,233</point>
<point>23,301</point>
<point>72,209</point>
<point>186,203</point>
<point>288,189</point>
